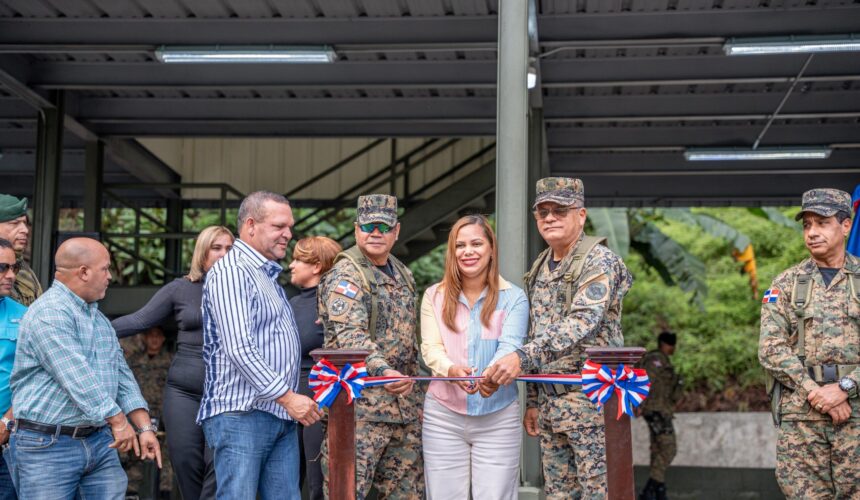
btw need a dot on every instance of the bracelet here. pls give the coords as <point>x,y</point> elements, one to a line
<point>124,427</point>
<point>147,428</point>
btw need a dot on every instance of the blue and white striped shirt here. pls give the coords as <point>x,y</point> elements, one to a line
<point>250,339</point>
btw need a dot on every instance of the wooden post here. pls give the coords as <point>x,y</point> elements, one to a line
<point>619,442</point>
<point>341,430</point>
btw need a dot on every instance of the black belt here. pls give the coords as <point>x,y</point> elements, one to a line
<point>80,431</point>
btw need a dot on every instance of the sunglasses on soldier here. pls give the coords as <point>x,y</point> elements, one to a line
<point>369,227</point>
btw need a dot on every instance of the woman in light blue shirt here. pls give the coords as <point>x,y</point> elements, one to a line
<point>468,321</point>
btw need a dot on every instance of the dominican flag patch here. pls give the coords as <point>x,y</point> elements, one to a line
<point>346,289</point>
<point>770,296</point>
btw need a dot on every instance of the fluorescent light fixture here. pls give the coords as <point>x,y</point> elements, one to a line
<point>246,54</point>
<point>531,78</point>
<point>792,45</point>
<point>770,153</point>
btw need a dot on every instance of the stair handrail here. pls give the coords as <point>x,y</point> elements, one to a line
<point>444,175</point>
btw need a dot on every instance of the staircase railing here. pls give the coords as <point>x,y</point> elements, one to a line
<point>166,232</point>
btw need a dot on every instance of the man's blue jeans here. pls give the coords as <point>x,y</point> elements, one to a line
<point>254,451</point>
<point>7,489</point>
<point>55,467</point>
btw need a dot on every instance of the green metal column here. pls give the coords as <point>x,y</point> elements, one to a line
<point>538,168</point>
<point>173,246</point>
<point>49,152</point>
<point>512,138</point>
<point>93,185</point>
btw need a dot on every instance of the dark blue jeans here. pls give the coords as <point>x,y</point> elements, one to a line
<point>7,489</point>
<point>254,451</point>
<point>52,467</point>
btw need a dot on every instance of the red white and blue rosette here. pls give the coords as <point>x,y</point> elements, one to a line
<point>327,382</point>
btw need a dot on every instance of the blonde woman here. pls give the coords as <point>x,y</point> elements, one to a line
<point>181,300</point>
<point>312,257</point>
<point>468,321</point>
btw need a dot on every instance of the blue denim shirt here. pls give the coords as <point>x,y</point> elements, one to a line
<point>11,313</point>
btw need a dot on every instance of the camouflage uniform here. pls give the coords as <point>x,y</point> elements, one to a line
<point>27,287</point>
<point>571,428</point>
<point>151,375</point>
<point>388,432</point>
<point>815,459</point>
<point>659,409</point>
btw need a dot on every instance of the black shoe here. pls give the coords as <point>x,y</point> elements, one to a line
<point>660,491</point>
<point>649,492</point>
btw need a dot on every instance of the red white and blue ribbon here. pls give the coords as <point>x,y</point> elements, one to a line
<point>631,385</point>
<point>599,383</point>
<point>327,382</point>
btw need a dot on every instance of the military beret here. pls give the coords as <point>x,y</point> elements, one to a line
<point>377,208</point>
<point>825,202</point>
<point>12,207</point>
<point>565,191</point>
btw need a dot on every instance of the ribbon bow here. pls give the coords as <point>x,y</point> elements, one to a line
<point>631,385</point>
<point>327,383</point>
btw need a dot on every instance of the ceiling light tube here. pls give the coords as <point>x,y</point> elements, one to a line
<point>770,153</point>
<point>791,45</point>
<point>245,54</point>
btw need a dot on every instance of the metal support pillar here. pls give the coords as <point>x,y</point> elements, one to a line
<point>538,169</point>
<point>172,246</point>
<point>512,138</point>
<point>93,185</point>
<point>49,153</point>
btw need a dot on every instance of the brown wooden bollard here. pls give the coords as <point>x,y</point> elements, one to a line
<point>619,442</point>
<point>341,430</point>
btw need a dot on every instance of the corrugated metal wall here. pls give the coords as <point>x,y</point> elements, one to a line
<point>281,164</point>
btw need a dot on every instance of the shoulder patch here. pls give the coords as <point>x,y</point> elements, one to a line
<point>596,291</point>
<point>339,307</point>
<point>770,296</point>
<point>347,289</point>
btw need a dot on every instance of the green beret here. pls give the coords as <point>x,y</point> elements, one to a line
<point>11,207</point>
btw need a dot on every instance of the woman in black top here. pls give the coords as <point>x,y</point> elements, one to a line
<point>312,257</point>
<point>191,458</point>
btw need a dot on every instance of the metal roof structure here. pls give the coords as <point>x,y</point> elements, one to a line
<point>624,85</point>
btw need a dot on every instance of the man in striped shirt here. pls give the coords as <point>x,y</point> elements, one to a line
<point>251,348</point>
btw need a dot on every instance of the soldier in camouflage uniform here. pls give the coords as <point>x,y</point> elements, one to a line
<point>367,301</point>
<point>810,345</point>
<point>15,228</point>
<point>658,411</point>
<point>575,289</point>
<point>150,365</point>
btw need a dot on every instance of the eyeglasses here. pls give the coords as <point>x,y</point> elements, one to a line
<point>4,267</point>
<point>368,228</point>
<point>557,212</point>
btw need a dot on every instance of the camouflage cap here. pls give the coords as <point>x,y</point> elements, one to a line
<point>377,208</point>
<point>12,207</point>
<point>825,201</point>
<point>565,191</point>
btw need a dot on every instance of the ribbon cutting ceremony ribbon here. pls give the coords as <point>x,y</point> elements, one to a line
<point>599,382</point>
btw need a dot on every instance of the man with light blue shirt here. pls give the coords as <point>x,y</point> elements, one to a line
<point>251,348</point>
<point>72,391</point>
<point>11,313</point>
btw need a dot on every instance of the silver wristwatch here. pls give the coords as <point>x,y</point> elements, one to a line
<point>848,385</point>
<point>6,422</point>
<point>146,428</point>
